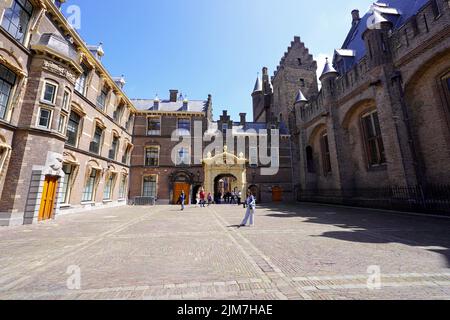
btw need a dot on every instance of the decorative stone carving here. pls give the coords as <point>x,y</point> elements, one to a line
<point>54,68</point>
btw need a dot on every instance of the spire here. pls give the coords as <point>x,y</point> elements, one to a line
<point>328,69</point>
<point>258,85</point>
<point>300,97</point>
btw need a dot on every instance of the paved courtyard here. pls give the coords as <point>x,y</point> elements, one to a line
<point>294,252</point>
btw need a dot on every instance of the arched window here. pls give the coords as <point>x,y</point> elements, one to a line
<point>326,157</point>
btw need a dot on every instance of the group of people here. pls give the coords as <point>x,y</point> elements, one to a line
<point>234,197</point>
<point>250,204</point>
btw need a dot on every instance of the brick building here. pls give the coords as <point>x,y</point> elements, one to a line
<point>378,131</point>
<point>65,123</point>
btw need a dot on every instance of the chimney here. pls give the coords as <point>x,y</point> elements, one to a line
<point>243,120</point>
<point>173,95</point>
<point>355,16</point>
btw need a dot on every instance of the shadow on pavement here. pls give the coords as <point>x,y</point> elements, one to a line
<point>378,227</point>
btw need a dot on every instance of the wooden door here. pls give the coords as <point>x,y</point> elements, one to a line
<point>277,194</point>
<point>48,198</point>
<point>177,188</point>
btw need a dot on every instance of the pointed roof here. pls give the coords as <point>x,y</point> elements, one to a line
<point>300,97</point>
<point>376,19</point>
<point>258,85</point>
<point>328,69</point>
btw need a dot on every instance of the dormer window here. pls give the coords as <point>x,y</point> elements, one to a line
<point>17,18</point>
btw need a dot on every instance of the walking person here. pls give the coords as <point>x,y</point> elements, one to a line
<point>182,199</point>
<point>250,214</point>
<point>210,199</point>
<point>202,199</point>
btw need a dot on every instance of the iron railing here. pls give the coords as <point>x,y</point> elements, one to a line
<point>143,201</point>
<point>429,199</point>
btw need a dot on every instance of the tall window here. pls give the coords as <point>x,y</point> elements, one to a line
<point>326,158</point>
<point>101,100</point>
<point>118,114</point>
<point>80,85</point>
<point>68,171</point>
<point>72,129</point>
<point>123,187</point>
<point>310,159</point>
<point>253,155</point>
<point>45,118</point>
<point>149,187</point>
<point>152,157</point>
<point>49,92</point>
<point>129,122</point>
<point>62,123</point>
<point>107,193</point>
<point>126,155</point>
<point>154,126</point>
<point>96,141</point>
<point>373,140</point>
<point>66,100</point>
<point>184,126</point>
<point>16,19</point>
<point>183,157</point>
<point>446,83</point>
<point>114,148</point>
<point>88,192</point>
<point>7,82</point>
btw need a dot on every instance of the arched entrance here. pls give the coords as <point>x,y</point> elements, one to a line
<point>224,184</point>
<point>227,167</point>
<point>181,181</point>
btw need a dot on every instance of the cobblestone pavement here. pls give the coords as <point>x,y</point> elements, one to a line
<point>294,252</point>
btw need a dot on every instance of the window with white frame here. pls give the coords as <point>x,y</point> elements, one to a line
<point>80,85</point>
<point>17,18</point>
<point>49,92</point>
<point>149,186</point>
<point>66,100</point>
<point>7,82</point>
<point>184,126</point>
<point>153,126</point>
<point>183,156</point>
<point>73,128</point>
<point>62,123</point>
<point>45,118</point>
<point>152,156</point>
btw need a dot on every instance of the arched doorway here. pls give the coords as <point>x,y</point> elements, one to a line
<point>224,184</point>
<point>195,190</point>
<point>181,181</point>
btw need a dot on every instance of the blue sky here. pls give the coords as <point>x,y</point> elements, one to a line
<point>206,47</point>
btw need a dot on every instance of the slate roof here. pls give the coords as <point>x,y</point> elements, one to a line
<point>396,11</point>
<point>167,106</point>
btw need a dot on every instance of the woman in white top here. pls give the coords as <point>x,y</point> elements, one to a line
<point>250,214</point>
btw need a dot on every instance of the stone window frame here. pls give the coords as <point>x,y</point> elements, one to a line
<point>127,152</point>
<point>89,169</point>
<point>160,125</point>
<point>184,132</point>
<point>43,91</point>
<point>80,114</point>
<point>32,17</point>
<point>365,140</point>
<point>12,93</point>
<point>189,156</point>
<point>110,177</point>
<point>123,186</point>
<point>66,103</point>
<point>115,135</point>
<point>50,120</point>
<point>156,176</point>
<point>145,155</point>
<point>98,123</point>
<point>444,80</point>
<point>62,124</point>
<point>119,112</point>
<point>327,169</point>
<point>5,155</point>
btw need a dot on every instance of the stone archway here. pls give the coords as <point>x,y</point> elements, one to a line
<point>225,164</point>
